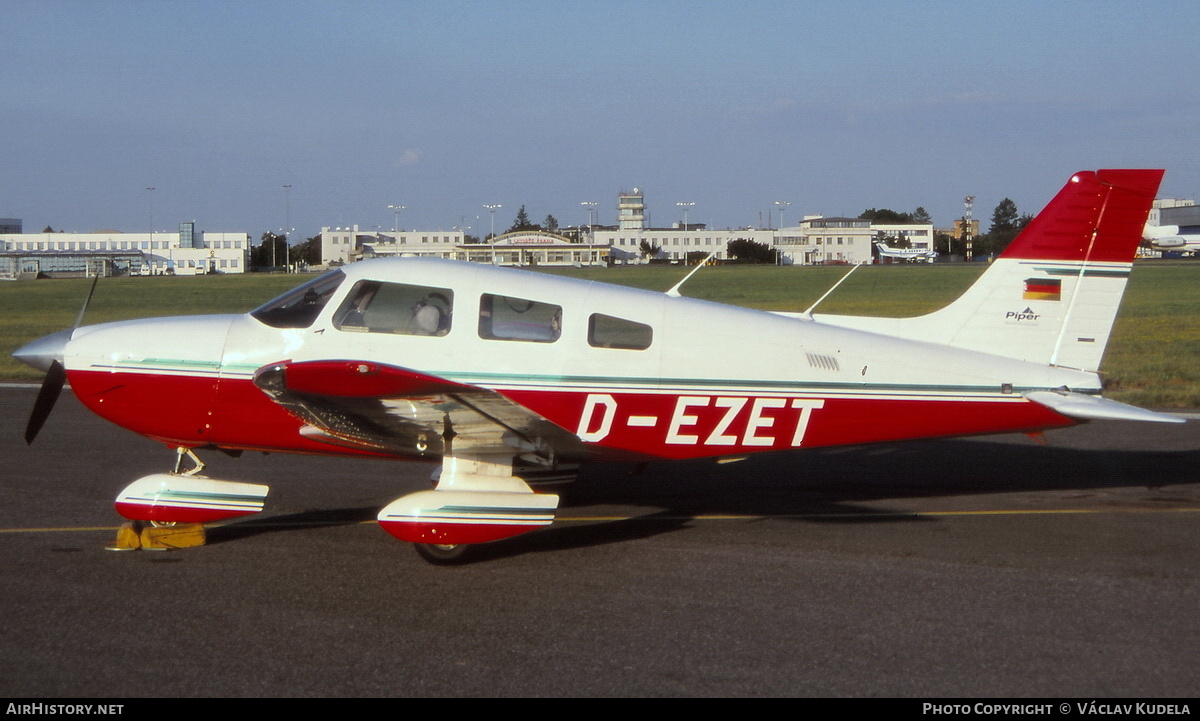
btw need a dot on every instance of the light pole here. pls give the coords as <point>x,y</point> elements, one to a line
<point>287,249</point>
<point>287,224</point>
<point>492,240</point>
<point>783,205</point>
<point>396,211</point>
<point>686,207</point>
<point>591,208</point>
<point>150,195</point>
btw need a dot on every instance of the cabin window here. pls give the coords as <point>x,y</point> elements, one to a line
<point>605,331</point>
<point>376,307</point>
<point>299,307</point>
<point>505,318</point>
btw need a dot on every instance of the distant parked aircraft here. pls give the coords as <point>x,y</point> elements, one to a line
<point>1178,238</point>
<point>912,254</point>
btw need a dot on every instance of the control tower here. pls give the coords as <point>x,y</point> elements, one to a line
<point>631,210</point>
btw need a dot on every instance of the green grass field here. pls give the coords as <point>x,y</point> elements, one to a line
<point>1152,360</point>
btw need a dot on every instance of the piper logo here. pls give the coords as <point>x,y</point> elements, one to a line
<point>1022,315</point>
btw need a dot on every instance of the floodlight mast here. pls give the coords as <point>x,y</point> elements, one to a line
<point>492,240</point>
<point>591,209</point>
<point>396,216</point>
<point>969,202</point>
<point>782,205</point>
<point>287,228</point>
<point>686,207</point>
<point>150,195</point>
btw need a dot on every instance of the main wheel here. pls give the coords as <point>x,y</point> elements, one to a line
<point>443,554</point>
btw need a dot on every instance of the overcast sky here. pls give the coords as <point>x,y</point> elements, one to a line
<point>446,106</point>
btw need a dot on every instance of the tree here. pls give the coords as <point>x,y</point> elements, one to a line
<point>307,252</point>
<point>522,222</point>
<point>270,253</point>
<point>884,216</point>
<point>649,250</point>
<point>550,224</point>
<point>1006,223</point>
<point>1004,217</point>
<point>749,251</point>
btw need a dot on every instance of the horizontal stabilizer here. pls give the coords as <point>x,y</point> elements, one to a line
<point>1085,407</point>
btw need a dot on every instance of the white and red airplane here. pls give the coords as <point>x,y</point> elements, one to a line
<point>491,369</point>
<point>1180,239</point>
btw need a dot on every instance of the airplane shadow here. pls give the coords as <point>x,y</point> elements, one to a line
<point>815,486</point>
<point>833,480</point>
<point>317,518</point>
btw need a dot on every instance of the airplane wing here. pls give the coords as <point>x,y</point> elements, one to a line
<point>385,408</point>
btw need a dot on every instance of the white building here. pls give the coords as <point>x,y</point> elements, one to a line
<point>817,240</point>
<point>347,245</point>
<point>115,253</point>
<point>674,244</point>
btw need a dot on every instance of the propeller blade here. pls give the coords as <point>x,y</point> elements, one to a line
<point>52,347</point>
<point>52,385</point>
<point>88,299</point>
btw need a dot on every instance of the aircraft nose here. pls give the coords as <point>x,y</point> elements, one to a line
<point>43,351</point>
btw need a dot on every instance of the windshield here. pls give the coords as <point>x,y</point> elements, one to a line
<point>299,307</point>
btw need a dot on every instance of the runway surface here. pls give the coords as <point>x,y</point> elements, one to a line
<point>966,568</point>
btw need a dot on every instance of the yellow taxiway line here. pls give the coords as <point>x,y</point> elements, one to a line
<point>719,517</point>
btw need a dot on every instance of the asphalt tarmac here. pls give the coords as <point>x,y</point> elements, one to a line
<point>989,567</point>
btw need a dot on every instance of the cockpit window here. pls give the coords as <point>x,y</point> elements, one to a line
<point>376,307</point>
<point>505,318</point>
<point>299,307</point>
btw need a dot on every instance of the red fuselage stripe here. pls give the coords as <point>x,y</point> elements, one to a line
<point>231,412</point>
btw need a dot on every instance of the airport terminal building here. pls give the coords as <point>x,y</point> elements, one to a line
<point>816,240</point>
<point>110,253</point>
<point>536,247</point>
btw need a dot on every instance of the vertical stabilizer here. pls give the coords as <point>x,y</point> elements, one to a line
<point>1053,295</point>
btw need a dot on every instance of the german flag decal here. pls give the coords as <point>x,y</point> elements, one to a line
<point>1043,289</point>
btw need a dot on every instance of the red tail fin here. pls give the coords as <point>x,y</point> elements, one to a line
<point>1098,217</point>
<point>1052,296</point>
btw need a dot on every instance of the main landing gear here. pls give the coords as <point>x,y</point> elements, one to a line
<point>169,510</point>
<point>477,500</point>
<point>442,554</point>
